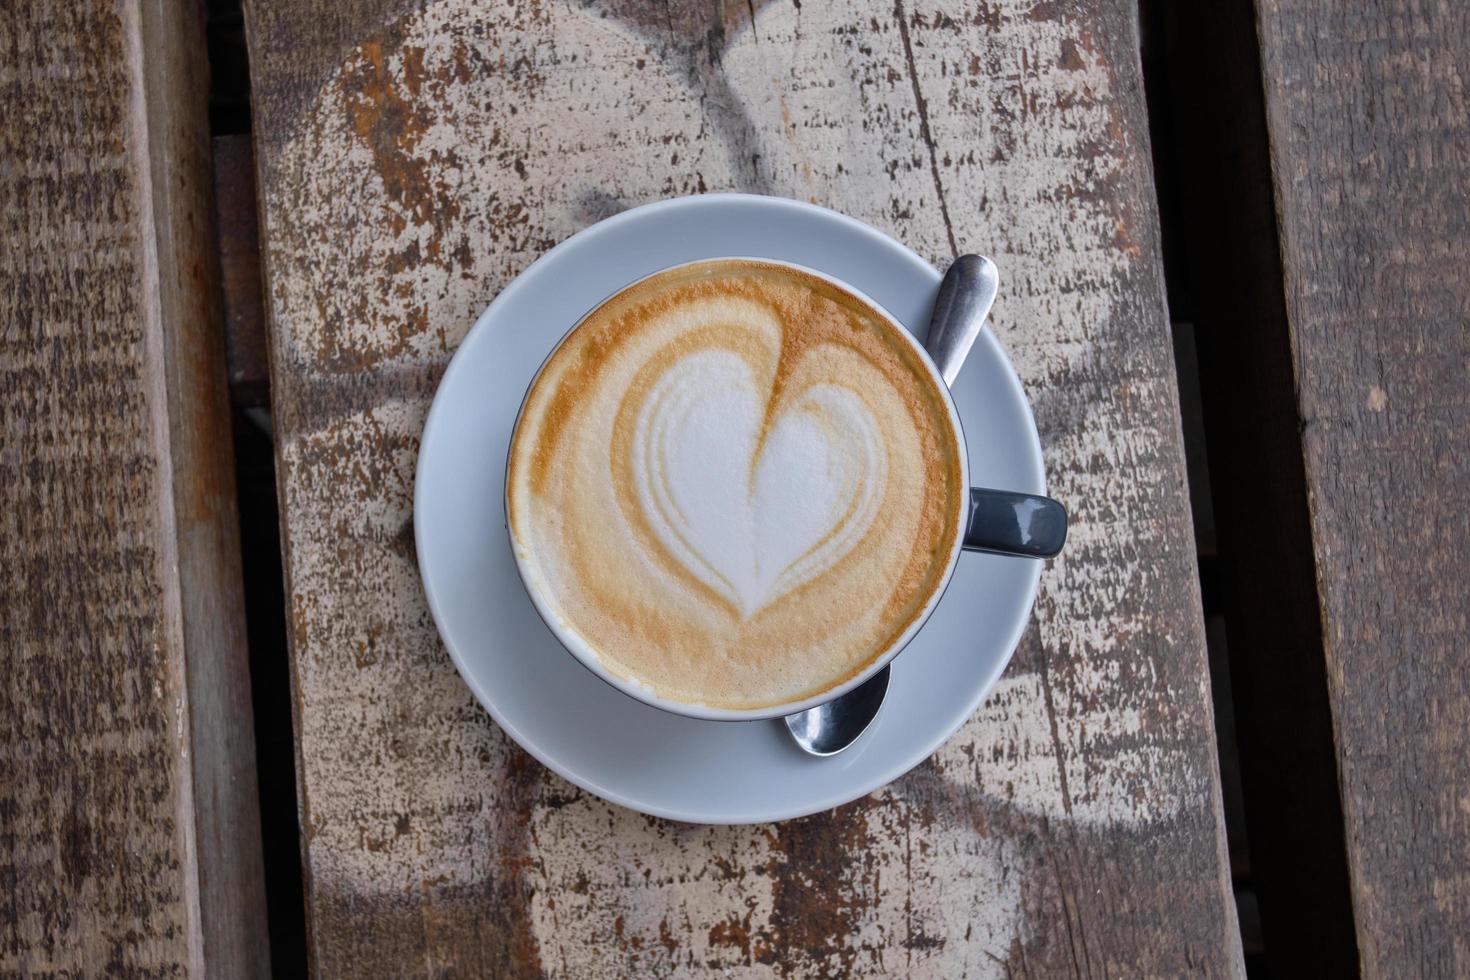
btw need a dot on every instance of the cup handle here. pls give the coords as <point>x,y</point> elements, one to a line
<point>1005,522</point>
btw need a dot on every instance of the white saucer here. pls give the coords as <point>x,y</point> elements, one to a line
<point>560,712</point>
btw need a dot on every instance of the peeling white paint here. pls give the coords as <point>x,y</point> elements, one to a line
<point>616,890</point>
<point>447,209</point>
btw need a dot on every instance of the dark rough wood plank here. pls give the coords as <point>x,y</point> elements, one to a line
<point>1370,143</point>
<point>1232,263</point>
<point>413,158</point>
<point>129,841</point>
<point>236,214</point>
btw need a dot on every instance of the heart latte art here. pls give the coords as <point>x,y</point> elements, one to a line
<point>737,483</point>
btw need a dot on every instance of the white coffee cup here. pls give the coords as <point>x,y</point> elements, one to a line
<point>988,525</point>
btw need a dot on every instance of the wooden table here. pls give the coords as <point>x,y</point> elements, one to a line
<point>411,158</point>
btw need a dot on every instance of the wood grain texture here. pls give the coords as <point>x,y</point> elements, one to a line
<point>129,839</point>
<point>412,159</point>
<point>1370,143</point>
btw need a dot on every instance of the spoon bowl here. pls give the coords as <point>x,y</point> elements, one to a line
<point>829,728</point>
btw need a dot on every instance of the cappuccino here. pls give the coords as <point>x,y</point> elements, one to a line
<point>739,484</point>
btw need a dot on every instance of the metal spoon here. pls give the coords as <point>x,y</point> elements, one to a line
<point>1008,523</point>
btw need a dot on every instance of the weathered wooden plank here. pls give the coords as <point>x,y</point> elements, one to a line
<point>129,839</point>
<point>1227,236</point>
<point>413,158</point>
<point>1370,145</point>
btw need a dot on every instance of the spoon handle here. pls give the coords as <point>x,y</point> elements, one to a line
<point>960,309</point>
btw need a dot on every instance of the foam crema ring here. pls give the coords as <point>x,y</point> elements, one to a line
<point>737,483</point>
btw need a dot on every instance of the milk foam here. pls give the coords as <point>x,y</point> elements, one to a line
<point>754,518</point>
<point>736,483</point>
